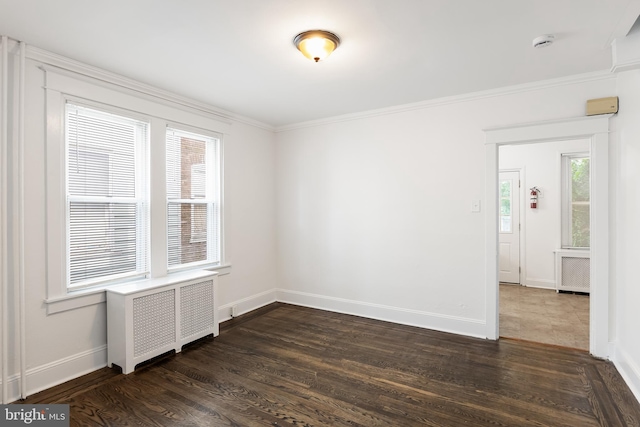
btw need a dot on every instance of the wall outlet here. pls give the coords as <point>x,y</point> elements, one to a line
<point>234,310</point>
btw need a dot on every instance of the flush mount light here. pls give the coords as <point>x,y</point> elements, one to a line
<point>316,44</point>
<point>543,41</point>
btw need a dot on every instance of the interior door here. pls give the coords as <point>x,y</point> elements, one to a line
<point>509,227</point>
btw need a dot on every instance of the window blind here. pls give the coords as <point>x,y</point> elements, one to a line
<point>107,209</point>
<point>192,210</point>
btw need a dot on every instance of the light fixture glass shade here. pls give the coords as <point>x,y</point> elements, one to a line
<point>316,44</point>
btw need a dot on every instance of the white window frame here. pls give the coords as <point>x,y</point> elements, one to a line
<point>124,98</point>
<point>566,202</point>
<point>213,190</point>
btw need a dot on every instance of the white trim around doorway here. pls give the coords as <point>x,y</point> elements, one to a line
<point>596,129</point>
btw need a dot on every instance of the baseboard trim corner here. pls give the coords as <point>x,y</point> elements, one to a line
<point>60,371</point>
<point>629,371</point>
<point>246,305</point>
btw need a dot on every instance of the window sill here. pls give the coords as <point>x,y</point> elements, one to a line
<point>222,270</point>
<point>569,250</point>
<point>86,297</point>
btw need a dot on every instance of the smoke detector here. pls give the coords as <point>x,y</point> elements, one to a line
<point>544,40</point>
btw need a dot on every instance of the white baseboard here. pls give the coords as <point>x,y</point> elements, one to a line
<point>422,319</point>
<point>611,351</point>
<point>628,369</point>
<point>13,389</point>
<point>246,305</point>
<point>58,372</point>
<point>539,283</point>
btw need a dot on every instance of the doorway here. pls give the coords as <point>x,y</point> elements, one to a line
<point>530,308</point>
<point>596,130</point>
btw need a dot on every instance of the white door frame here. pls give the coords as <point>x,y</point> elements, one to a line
<point>596,129</point>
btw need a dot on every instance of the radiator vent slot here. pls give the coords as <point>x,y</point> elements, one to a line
<point>573,271</point>
<point>196,308</point>
<point>154,322</point>
<point>155,316</point>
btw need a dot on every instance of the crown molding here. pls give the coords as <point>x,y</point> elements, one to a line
<point>71,65</point>
<point>625,66</point>
<point>491,93</point>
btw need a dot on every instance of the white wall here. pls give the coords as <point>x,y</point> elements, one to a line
<point>250,218</point>
<point>541,235</point>
<point>64,345</point>
<point>627,247</point>
<point>374,212</point>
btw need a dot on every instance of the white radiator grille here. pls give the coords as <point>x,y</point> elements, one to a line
<point>154,316</point>
<point>154,320</point>
<point>575,274</point>
<point>196,308</point>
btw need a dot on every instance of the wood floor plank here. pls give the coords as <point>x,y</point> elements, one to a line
<point>305,383</point>
<point>289,365</point>
<point>261,394</point>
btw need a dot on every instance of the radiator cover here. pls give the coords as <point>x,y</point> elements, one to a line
<point>151,317</point>
<point>573,270</point>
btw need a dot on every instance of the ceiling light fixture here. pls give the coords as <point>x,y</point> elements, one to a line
<point>316,44</point>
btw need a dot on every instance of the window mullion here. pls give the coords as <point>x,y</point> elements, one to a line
<point>158,198</point>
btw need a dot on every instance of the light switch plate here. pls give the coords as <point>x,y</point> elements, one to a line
<point>475,206</point>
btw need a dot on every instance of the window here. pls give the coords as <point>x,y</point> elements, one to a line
<point>106,193</point>
<point>575,201</point>
<point>108,208</point>
<point>107,205</point>
<point>505,206</point>
<point>192,226</point>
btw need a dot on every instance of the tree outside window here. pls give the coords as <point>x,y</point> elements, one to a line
<point>576,201</point>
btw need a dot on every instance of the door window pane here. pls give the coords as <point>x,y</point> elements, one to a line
<point>505,206</point>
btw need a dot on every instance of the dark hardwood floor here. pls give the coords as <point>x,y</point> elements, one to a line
<point>287,365</point>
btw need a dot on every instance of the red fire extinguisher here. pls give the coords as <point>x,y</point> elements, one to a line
<point>534,197</point>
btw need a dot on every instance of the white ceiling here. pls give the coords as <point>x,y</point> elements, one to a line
<point>238,54</point>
